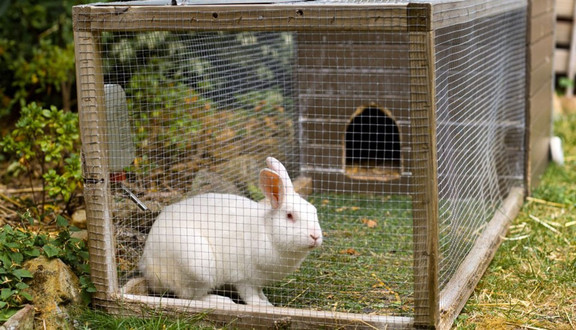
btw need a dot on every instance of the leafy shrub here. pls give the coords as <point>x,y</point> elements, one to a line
<point>17,246</point>
<point>43,144</point>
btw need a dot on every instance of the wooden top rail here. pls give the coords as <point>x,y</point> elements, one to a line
<point>297,16</point>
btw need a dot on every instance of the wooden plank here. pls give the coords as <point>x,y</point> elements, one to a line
<point>462,284</point>
<point>572,56</point>
<point>81,16</point>
<point>541,130</point>
<point>563,33</point>
<point>351,38</point>
<point>561,60</point>
<point>540,52</point>
<point>325,157</point>
<point>92,118</point>
<point>323,132</point>
<point>136,290</point>
<point>362,57</point>
<point>327,132</point>
<point>540,77</point>
<point>564,8</point>
<point>301,16</point>
<point>541,104</point>
<point>330,158</point>
<point>541,26</point>
<point>260,317</point>
<point>539,164</point>
<point>452,12</point>
<point>539,7</point>
<point>373,84</point>
<point>327,180</point>
<point>425,180</point>
<point>340,107</point>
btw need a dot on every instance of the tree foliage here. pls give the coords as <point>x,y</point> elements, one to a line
<point>36,54</point>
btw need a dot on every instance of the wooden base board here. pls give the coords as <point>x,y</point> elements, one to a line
<point>259,317</point>
<point>457,291</point>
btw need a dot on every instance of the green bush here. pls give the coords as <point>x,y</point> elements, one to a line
<point>17,246</point>
<point>43,145</point>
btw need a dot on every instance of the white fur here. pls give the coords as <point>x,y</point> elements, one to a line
<point>210,240</point>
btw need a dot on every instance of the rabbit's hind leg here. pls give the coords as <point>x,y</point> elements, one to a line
<point>217,300</point>
<point>196,269</point>
<point>252,295</point>
<point>195,292</point>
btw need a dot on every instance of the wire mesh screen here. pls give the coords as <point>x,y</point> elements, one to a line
<point>203,111</point>
<point>312,157</point>
<point>480,79</point>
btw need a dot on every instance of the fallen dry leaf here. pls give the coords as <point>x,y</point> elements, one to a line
<point>190,100</point>
<point>344,208</point>
<point>370,223</point>
<point>350,251</point>
<point>270,123</point>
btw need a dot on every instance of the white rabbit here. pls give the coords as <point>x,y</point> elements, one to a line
<point>210,240</point>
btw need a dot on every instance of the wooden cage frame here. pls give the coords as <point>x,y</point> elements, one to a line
<point>432,308</point>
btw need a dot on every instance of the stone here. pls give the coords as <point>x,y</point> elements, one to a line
<point>79,219</point>
<point>22,320</point>
<point>55,289</point>
<point>81,235</point>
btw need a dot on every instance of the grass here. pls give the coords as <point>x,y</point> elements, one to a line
<point>365,263</point>
<point>531,282</point>
<point>88,319</point>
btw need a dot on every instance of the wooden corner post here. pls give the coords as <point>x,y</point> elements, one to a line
<point>424,185</point>
<point>92,113</point>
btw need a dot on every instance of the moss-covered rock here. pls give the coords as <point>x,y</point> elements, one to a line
<point>55,289</point>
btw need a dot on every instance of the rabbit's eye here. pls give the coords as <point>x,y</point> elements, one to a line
<point>290,216</point>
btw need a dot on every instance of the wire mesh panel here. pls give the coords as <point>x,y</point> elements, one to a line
<point>295,164</point>
<point>480,81</point>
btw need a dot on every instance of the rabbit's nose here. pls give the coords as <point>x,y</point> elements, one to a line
<point>317,240</point>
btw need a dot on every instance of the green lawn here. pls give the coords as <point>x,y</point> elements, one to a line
<point>365,263</point>
<point>531,283</point>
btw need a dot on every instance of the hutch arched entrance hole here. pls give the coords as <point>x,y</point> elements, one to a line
<point>372,145</point>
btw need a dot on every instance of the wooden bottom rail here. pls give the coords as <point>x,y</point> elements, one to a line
<point>457,291</point>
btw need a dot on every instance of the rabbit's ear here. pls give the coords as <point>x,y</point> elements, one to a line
<point>272,185</point>
<point>275,165</point>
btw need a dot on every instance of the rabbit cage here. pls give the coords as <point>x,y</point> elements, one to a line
<point>402,122</point>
